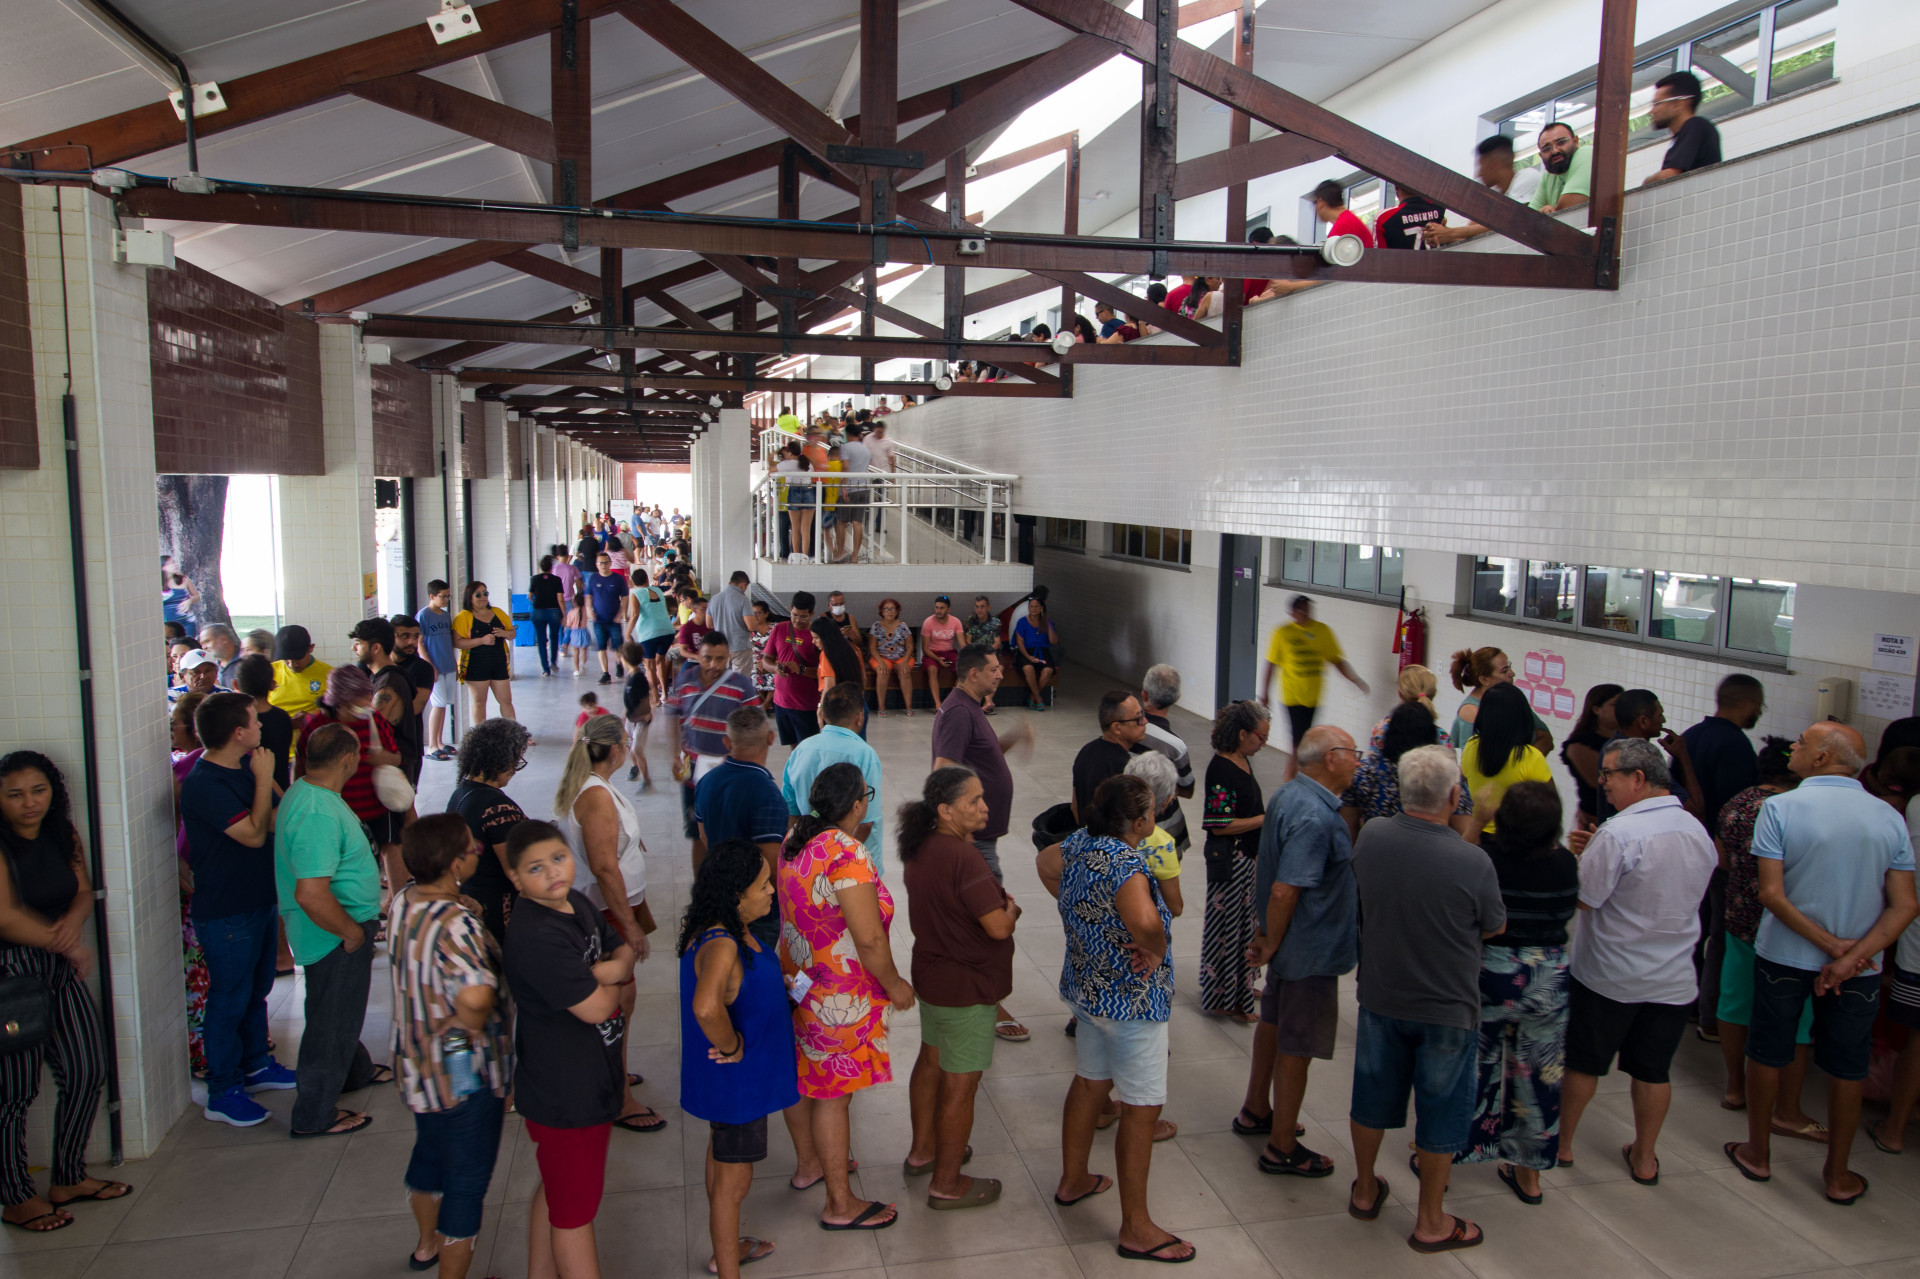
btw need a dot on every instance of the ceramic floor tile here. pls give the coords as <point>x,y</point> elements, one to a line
<point>1339,1245</point>
<point>266,1254</point>
<point>1693,1227</point>
<point>1178,1195</point>
<point>1583,1248</point>
<point>632,1233</point>
<point>1880,1227</point>
<point>790,1220</point>
<point>284,1183</point>
<point>377,1245</point>
<point>1035,1263</point>
<point>1223,1252</point>
<point>58,1263</point>
<point>1019,1220</point>
<point>371,1178</point>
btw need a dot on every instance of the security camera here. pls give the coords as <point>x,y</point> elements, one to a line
<point>1342,250</point>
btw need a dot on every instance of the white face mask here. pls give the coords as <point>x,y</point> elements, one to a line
<point>838,609</point>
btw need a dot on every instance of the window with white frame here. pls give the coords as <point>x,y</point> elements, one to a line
<point>1341,568</point>
<point>1751,618</point>
<point>1742,59</point>
<point>1066,535</point>
<point>1151,544</point>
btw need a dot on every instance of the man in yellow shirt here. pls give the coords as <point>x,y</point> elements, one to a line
<point>1302,650</point>
<point>299,678</point>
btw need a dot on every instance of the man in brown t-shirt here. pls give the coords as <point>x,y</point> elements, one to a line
<point>962,968</point>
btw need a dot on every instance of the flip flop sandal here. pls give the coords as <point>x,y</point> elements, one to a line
<point>853,1166</point>
<point>1873,1135</point>
<point>865,1220</point>
<point>634,1081</point>
<point>379,1078</point>
<point>1568,1163</point>
<point>1727,1105</point>
<point>119,1189</point>
<point>1732,1149</point>
<point>920,1170</point>
<point>641,1121</point>
<point>1153,1254</point>
<point>1101,1185</point>
<point>32,1224</point>
<point>1506,1174</point>
<point>1001,1031</point>
<point>757,1250</point>
<point>984,1191</point>
<point>1626,1153</point>
<point>415,1264</point>
<point>1379,1199</point>
<point>1458,1239</point>
<point>1813,1130</point>
<point>1301,1163</point>
<point>354,1123</point>
<point>1851,1199</point>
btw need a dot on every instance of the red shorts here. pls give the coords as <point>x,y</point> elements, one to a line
<point>945,661</point>
<point>573,1170</point>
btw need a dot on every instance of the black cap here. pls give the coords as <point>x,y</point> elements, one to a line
<point>291,644</point>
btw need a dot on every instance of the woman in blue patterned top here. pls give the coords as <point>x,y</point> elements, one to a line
<point>1118,979</point>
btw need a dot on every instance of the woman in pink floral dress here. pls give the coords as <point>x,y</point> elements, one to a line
<point>834,917</point>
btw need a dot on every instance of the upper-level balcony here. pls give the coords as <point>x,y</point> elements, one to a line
<point>930,523</point>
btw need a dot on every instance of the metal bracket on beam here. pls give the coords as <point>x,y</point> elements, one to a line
<point>1162,232</point>
<point>1606,260</point>
<point>1233,343</point>
<point>1166,31</point>
<point>882,214</point>
<point>878,157</point>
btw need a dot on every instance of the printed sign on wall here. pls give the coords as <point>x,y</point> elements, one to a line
<point>1543,677</point>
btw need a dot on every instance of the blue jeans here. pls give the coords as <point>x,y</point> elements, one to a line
<point>546,636</point>
<point>1437,1064</point>
<point>453,1156</point>
<point>240,964</point>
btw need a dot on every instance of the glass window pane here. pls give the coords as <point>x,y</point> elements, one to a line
<point>1640,126</point>
<point>1136,537</point>
<point>1802,45</point>
<point>1496,586</point>
<point>1686,608</point>
<point>1116,539</point>
<point>1725,62</point>
<point>1392,562</point>
<point>1363,569</point>
<point>1186,545</point>
<point>1612,600</point>
<point>1296,561</point>
<point>1576,108</point>
<point>1523,129</point>
<point>1329,563</point>
<point>1152,550</point>
<point>1760,617</point>
<point>1364,198</point>
<point>1551,590</point>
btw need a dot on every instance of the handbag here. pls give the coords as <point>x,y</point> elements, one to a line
<point>26,1014</point>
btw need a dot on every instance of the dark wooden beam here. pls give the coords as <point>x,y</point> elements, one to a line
<point>954,281</point>
<point>1607,205</point>
<point>1239,134</point>
<point>1159,130</point>
<point>413,94</point>
<point>985,390</point>
<point>881,311</point>
<point>1225,83</point>
<point>1243,161</point>
<point>679,310</point>
<point>1070,219</point>
<point>527,262</point>
<point>571,83</point>
<point>1014,159</point>
<point>981,114</point>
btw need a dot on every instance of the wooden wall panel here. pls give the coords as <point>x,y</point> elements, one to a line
<point>19,425</point>
<point>402,421</point>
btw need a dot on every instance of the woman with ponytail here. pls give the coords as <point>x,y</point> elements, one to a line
<point>962,968</point>
<point>835,914</point>
<point>609,865</point>
<point>1474,671</point>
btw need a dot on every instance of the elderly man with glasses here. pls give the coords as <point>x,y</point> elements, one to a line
<point>1123,726</point>
<point>1631,981</point>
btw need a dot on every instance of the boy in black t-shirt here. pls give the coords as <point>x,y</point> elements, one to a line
<point>637,696</point>
<point>564,966</point>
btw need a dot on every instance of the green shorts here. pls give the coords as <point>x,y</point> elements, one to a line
<point>1736,991</point>
<point>964,1036</point>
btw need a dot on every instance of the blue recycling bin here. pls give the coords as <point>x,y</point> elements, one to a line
<point>523,636</point>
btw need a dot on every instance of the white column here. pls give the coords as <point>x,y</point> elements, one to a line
<point>490,532</point>
<point>731,526</point>
<point>98,329</point>
<point>326,521</point>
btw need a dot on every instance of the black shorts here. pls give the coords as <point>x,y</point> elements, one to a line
<point>385,829</point>
<point>1643,1036</point>
<point>740,1143</point>
<point>1300,719</point>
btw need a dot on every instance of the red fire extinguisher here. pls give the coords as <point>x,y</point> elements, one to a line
<point>1410,637</point>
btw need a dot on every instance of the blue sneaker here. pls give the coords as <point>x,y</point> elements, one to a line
<point>272,1077</point>
<point>235,1107</point>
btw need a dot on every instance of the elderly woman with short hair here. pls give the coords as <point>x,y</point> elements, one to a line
<point>491,753</point>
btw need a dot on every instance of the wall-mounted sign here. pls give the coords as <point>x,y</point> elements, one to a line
<point>1884,695</point>
<point>1542,675</point>
<point>1893,653</point>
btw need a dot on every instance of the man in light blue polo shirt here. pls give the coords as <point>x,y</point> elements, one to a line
<point>1836,878</point>
<point>843,709</point>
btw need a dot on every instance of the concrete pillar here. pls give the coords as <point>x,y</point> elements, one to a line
<point>722,485</point>
<point>326,521</point>
<point>430,524</point>
<point>95,334</point>
<point>491,535</point>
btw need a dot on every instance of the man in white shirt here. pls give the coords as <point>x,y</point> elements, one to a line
<point>1493,165</point>
<point>882,449</point>
<point>1631,983</point>
<point>855,459</point>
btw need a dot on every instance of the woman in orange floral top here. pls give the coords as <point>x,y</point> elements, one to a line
<point>834,918</point>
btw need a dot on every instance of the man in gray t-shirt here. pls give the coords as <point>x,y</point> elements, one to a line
<point>1427,900</point>
<point>728,613</point>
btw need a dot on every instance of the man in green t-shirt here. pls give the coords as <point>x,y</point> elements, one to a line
<point>1568,181</point>
<point>329,886</point>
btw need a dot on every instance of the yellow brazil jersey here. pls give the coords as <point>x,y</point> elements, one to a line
<point>297,692</point>
<point>1302,653</point>
<point>831,492</point>
<point>1163,858</point>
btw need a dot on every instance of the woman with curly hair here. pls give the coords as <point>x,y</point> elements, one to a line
<point>835,914</point>
<point>45,897</point>
<point>736,1037</point>
<point>491,753</point>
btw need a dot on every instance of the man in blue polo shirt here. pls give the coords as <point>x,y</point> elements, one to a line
<point>740,800</point>
<point>609,598</point>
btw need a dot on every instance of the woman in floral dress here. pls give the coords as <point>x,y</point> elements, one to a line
<point>835,914</point>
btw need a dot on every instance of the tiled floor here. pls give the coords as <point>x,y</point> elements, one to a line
<point>221,1203</point>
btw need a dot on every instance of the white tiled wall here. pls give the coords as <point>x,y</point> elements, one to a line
<point>102,320</point>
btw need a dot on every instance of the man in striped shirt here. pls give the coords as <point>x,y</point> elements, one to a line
<point>702,696</point>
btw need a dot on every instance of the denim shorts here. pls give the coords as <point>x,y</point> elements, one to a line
<point>657,646</point>
<point>740,1143</point>
<point>453,1156</point>
<point>1131,1053</point>
<point>1842,1019</point>
<point>606,635</point>
<point>1736,990</point>
<point>1438,1065</point>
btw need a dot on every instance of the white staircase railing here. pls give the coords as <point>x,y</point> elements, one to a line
<point>955,511</point>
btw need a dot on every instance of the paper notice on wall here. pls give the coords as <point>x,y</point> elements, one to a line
<point>1556,669</point>
<point>1563,703</point>
<point>1893,653</point>
<point>1534,665</point>
<point>1884,695</point>
<point>1542,698</point>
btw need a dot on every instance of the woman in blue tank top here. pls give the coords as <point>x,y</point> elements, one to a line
<point>736,1037</point>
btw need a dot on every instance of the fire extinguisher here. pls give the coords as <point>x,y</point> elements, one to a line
<point>1410,637</point>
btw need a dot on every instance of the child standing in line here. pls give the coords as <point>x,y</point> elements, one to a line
<point>637,696</point>
<point>578,638</point>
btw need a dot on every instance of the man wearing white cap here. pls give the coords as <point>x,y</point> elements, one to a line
<point>199,672</point>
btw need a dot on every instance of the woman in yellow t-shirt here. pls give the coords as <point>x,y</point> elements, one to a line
<point>1501,750</point>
